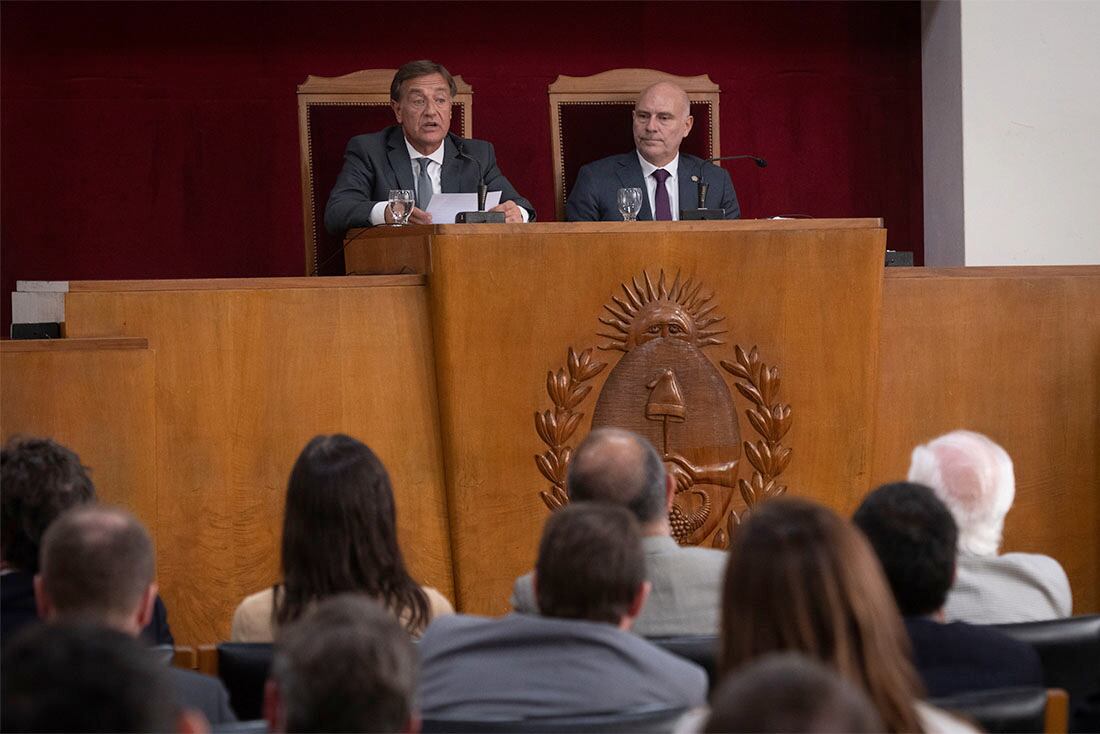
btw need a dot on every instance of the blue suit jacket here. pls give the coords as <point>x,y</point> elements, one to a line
<point>377,162</point>
<point>595,193</point>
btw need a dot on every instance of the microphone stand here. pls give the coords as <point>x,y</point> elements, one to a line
<point>701,211</point>
<point>480,216</point>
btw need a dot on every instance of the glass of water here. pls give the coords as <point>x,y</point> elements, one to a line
<point>400,205</point>
<point>630,203</point>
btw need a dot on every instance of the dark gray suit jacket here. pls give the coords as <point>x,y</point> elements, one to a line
<point>378,162</point>
<point>203,693</point>
<point>595,193</point>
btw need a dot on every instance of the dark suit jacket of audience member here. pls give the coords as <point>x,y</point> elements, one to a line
<point>377,162</point>
<point>17,609</point>
<point>594,197</point>
<point>203,693</point>
<point>957,657</point>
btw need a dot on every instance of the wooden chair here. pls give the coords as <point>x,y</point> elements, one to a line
<point>590,118</point>
<point>331,111</point>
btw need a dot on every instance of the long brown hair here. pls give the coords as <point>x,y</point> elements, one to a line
<point>340,533</point>
<point>801,578</point>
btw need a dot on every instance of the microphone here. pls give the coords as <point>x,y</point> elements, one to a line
<point>702,212</point>
<point>480,216</point>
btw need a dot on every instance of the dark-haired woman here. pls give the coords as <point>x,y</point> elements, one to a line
<point>339,535</point>
<point>800,578</point>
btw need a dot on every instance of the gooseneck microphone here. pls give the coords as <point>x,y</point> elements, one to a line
<point>480,216</point>
<point>702,212</point>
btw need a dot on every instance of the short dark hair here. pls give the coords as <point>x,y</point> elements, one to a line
<point>340,533</point>
<point>622,468</point>
<point>421,67</point>
<point>346,665</point>
<point>914,537</point>
<point>39,479</point>
<point>97,562</point>
<point>789,692</point>
<point>83,678</point>
<point>590,563</point>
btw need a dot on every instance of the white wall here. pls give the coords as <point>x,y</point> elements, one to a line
<point>1029,82</point>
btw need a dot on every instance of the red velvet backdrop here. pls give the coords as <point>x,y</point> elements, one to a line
<point>157,140</point>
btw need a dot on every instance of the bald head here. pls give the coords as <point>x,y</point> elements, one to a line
<point>97,564</point>
<point>662,120</point>
<point>618,467</point>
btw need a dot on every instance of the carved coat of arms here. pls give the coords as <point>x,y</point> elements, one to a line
<point>666,388</point>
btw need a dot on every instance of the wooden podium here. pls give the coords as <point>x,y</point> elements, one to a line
<point>510,303</point>
<point>190,399</point>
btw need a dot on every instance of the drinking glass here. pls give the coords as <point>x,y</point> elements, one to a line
<point>400,205</point>
<point>630,203</point>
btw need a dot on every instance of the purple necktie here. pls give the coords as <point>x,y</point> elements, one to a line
<point>664,209</point>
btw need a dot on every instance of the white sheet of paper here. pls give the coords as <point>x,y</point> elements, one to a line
<point>444,207</point>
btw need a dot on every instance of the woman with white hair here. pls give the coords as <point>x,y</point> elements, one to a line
<point>973,476</point>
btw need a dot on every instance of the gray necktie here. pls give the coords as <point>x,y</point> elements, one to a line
<point>423,184</point>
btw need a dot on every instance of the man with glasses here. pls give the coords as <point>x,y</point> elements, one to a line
<point>662,119</point>
<point>418,153</point>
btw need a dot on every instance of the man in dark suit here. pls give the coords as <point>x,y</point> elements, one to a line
<point>915,537</point>
<point>418,153</point>
<point>668,179</point>
<point>97,568</point>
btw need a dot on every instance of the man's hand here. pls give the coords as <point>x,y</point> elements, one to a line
<point>419,216</point>
<point>511,211</point>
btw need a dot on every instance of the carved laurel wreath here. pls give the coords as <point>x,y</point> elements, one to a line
<point>758,382</point>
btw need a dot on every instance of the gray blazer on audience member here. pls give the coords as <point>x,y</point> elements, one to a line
<point>202,693</point>
<point>1014,587</point>
<point>687,588</point>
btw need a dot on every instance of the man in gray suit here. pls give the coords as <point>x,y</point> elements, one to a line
<point>418,153</point>
<point>578,658</point>
<point>618,467</point>
<point>97,568</point>
<point>668,179</point>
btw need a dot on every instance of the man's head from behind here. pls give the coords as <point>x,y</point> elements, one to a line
<point>591,565</point>
<point>914,537</point>
<point>788,692</point>
<point>346,665</point>
<point>421,94</point>
<point>621,468</point>
<point>97,566</point>
<point>662,119</point>
<point>973,476</point>
<point>83,678</point>
<point>39,479</point>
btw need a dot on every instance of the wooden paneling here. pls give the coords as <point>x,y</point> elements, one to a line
<point>244,377</point>
<point>1013,353</point>
<point>96,397</point>
<point>507,306</point>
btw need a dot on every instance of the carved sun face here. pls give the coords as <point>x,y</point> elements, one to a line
<point>651,312</point>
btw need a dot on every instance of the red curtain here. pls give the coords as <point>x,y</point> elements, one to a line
<point>156,140</point>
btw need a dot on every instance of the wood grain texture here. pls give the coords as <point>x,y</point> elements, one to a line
<point>507,306</point>
<point>98,402</point>
<point>244,378</point>
<point>1013,353</point>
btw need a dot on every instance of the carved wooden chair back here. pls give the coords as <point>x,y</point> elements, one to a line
<point>590,118</point>
<point>331,111</point>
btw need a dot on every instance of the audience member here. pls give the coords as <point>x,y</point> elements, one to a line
<point>787,692</point>
<point>98,568</point>
<point>622,468</point>
<point>973,476</point>
<point>802,579</point>
<point>86,678</point>
<point>578,657</point>
<point>914,537</point>
<point>345,665</point>
<point>667,177</point>
<point>39,480</point>
<point>416,154</point>
<point>339,535</point>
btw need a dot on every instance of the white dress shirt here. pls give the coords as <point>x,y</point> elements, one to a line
<point>671,183</point>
